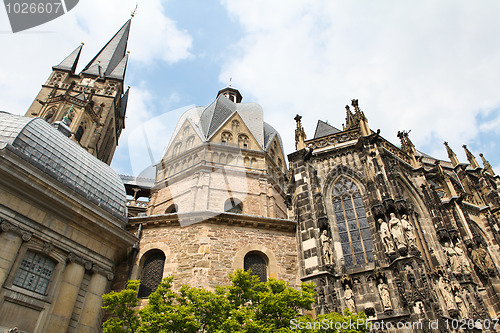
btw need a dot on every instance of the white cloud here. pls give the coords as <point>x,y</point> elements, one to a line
<point>425,66</point>
<point>28,56</point>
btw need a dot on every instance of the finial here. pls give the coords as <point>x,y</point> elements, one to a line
<point>354,103</point>
<point>451,155</point>
<point>135,10</point>
<point>487,165</point>
<point>471,158</point>
<point>82,43</point>
<point>300,135</point>
<point>230,81</point>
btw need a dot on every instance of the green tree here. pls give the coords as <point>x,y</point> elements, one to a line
<point>246,305</point>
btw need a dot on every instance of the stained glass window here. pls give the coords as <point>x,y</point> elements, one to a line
<point>256,262</point>
<point>352,225</point>
<point>35,272</point>
<point>152,273</point>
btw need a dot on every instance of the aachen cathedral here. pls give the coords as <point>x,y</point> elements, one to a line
<point>379,228</point>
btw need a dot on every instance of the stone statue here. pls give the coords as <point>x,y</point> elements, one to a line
<point>465,267</point>
<point>483,261</point>
<point>385,234</point>
<point>453,258</point>
<point>408,232</point>
<point>445,288</point>
<point>462,307</point>
<point>327,247</point>
<point>349,299</point>
<point>383,290</point>
<point>397,232</point>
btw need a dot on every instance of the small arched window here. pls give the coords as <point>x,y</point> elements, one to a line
<point>243,141</point>
<point>152,272</point>
<point>354,231</point>
<point>177,149</point>
<point>233,205</point>
<point>185,132</point>
<point>35,272</point>
<point>235,126</point>
<point>50,114</point>
<point>257,263</point>
<point>189,142</point>
<point>226,138</point>
<point>171,209</point>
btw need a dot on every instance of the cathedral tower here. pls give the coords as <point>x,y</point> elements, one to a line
<point>90,105</point>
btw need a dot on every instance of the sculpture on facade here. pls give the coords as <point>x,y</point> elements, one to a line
<point>465,267</point>
<point>446,291</point>
<point>349,299</point>
<point>482,260</point>
<point>383,290</point>
<point>408,232</point>
<point>452,257</point>
<point>397,232</point>
<point>385,235</point>
<point>327,248</point>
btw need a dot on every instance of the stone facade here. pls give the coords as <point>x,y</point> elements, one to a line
<point>410,234</point>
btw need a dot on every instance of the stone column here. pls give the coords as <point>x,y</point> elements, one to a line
<point>69,287</point>
<point>93,301</point>
<point>11,240</point>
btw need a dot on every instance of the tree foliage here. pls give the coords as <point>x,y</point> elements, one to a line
<point>247,305</point>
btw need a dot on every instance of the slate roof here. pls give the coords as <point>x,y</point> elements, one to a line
<point>112,56</point>
<point>208,120</point>
<point>38,143</point>
<point>71,61</point>
<point>324,129</point>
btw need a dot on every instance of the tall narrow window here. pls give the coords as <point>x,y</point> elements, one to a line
<point>256,261</point>
<point>352,225</point>
<point>35,272</point>
<point>152,272</point>
<point>79,133</point>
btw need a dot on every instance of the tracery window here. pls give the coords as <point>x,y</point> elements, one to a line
<point>235,126</point>
<point>35,272</point>
<point>352,225</point>
<point>256,261</point>
<point>189,142</point>
<point>152,272</point>
<point>226,138</point>
<point>177,149</point>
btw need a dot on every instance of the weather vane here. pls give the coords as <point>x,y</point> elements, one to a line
<point>135,10</point>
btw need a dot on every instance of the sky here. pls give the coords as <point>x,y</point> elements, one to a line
<point>428,67</point>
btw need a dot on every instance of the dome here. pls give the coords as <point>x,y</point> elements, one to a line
<point>42,146</point>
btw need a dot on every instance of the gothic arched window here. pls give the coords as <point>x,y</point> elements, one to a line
<point>257,262</point>
<point>177,149</point>
<point>233,205</point>
<point>35,272</point>
<point>152,272</point>
<point>352,225</point>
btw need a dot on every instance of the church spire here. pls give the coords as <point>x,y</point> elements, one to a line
<point>451,155</point>
<point>300,134</point>
<point>71,61</point>
<point>112,56</point>
<point>471,158</point>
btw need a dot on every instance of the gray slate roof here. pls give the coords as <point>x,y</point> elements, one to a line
<point>71,61</point>
<point>35,141</point>
<point>111,56</point>
<point>324,129</point>
<point>209,119</point>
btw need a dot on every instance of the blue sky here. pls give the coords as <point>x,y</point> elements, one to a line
<point>425,66</point>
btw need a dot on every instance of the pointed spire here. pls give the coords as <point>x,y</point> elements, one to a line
<point>123,103</point>
<point>471,158</point>
<point>487,165</point>
<point>119,71</point>
<point>349,119</point>
<point>300,134</point>
<point>69,64</point>
<point>111,56</point>
<point>451,155</point>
